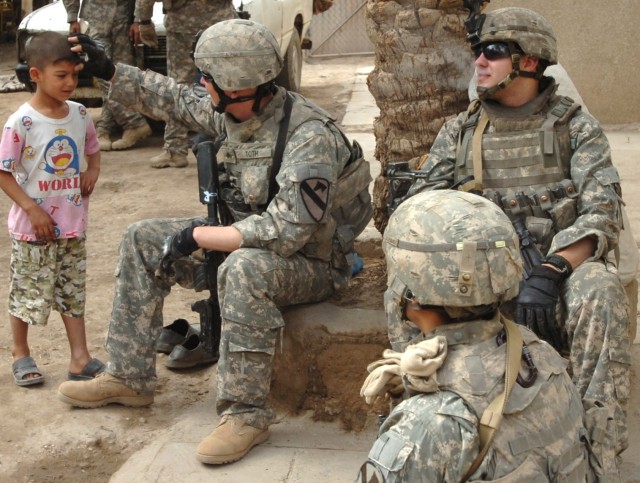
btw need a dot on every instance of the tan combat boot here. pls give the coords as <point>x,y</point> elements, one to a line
<point>131,136</point>
<point>230,441</point>
<point>167,159</point>
<point>105,141</point>
<point>101,390</point>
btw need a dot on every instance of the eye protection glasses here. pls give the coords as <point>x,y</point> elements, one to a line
<point>492,50</point>
<point>411,304</point>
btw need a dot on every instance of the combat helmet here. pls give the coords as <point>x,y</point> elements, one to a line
<point>238,54</point>
<point>524,31</point>
<point>452,249</point>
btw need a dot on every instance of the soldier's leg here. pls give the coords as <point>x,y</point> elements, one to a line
<point>253,283</point>
<point>106,125</point>
<point>140,289</point>
<point>181,68</point>
<point>597,326</point>
<point>122,51</point>
<point>627,259</point>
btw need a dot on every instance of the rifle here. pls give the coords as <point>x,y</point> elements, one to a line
<point>399,176</point>
<point>531,255</point>
<point>474,21</point>
<point>399,181</point>
<point>217,215</point>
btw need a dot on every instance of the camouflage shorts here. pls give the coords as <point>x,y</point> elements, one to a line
<point>48,276</point>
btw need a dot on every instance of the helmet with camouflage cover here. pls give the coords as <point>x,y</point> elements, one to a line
<point>528,29</point>
<point>524,32</point>
<point>452,249</point>
<point>238,54</point>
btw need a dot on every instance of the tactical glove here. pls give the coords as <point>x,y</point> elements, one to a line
<point>148,35</point>
<point>182,244</point>
<point>536,304</point>
<point>98,64</point>
<point>177,246</point>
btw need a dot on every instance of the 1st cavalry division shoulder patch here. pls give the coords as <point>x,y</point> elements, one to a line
<point>315,196</point>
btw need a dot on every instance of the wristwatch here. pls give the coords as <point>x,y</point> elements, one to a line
<point>559,263</point>
<point>145,22</point>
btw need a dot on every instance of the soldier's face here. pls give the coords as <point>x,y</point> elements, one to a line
<point>425,319</point>
<point>491,72</point>
<point>239,110</point>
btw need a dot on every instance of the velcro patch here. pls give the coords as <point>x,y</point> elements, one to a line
<point>315,196</point>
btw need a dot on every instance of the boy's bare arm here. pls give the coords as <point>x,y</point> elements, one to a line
<point>89,177</point>
<point>43,224</point>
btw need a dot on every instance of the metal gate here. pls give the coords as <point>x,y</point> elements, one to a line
<point>340,30</point>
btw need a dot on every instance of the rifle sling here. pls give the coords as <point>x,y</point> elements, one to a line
<point>476,148</point>
<point>280,144</point>
<point>492,416</point>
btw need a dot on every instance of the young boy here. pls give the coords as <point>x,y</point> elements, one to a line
<point>41,150</point>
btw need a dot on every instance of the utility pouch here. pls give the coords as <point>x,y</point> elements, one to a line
<point>563,214</point>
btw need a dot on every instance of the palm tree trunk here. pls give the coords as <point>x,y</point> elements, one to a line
<point>423,65</point>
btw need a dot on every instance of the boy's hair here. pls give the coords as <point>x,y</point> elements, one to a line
<point>47,48</point>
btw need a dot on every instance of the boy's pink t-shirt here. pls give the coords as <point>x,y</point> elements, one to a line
<point>45,157</point>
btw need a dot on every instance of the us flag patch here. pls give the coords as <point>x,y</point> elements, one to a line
<point>315,196</point>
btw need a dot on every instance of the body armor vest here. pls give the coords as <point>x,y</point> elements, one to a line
<point>248,170</point>
<point>525,164</point>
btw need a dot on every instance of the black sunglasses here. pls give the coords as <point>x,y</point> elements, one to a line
<point>492,50</point>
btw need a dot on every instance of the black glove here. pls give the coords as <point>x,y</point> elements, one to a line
<point>98,64</point>
<point>536,304</point>
<point>177,246</point>
<point>182,244</point>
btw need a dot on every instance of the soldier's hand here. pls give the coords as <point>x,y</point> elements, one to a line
<point>177,246</point>
<point>97,63</point>
<point>182,244</point>
<point>148,35</point>
<point>536,304</point>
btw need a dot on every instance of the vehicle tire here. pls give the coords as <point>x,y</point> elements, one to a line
<point>291,73</point>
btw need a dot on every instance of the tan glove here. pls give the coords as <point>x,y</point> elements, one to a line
<point>148,35</point>
<point>420,362</point>
<point>384,376</point>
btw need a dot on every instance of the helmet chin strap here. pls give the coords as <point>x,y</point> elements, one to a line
<point>261,91</point>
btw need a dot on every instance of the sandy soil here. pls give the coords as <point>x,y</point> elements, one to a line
<point>41,439</point>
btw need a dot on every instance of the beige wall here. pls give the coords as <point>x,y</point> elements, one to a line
<point>599,46</point>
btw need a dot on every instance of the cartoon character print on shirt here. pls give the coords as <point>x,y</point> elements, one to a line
<point>27,122</point>
<point>61,157</point>
<point>29,152</point>
<point>9,164</point>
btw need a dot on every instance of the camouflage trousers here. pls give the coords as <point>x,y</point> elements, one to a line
<point>182,25</point>
<point>181,68</point>
<point>594,311</point>
<point>252,284</point>
<point>112,29</point>
<point>596,317</point>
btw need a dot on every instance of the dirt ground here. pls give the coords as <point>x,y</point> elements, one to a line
<point>41,439</point>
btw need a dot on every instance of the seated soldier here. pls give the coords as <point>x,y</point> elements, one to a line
<point>452,259</point>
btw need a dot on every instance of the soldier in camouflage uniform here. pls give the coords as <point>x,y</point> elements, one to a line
<point>546,162</point>
<point>183,19</point>
<point>109,22</point>
<point>452,258</point>
<point>296,247</point>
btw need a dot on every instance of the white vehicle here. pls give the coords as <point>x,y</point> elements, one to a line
<point>288,20</point>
